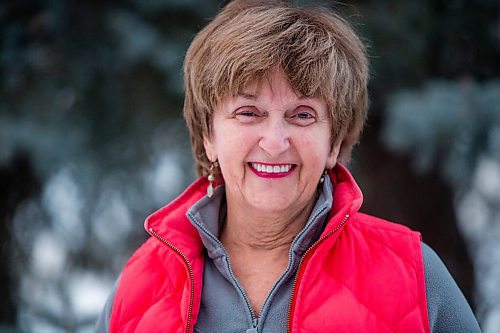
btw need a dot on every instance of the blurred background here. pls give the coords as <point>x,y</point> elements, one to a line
<point>92,141</point>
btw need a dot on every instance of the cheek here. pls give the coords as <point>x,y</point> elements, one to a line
<point>232,147</point>
<point>315,151</point>
<point>231,141</point>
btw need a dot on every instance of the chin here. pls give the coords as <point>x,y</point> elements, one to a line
<point>269,204</point>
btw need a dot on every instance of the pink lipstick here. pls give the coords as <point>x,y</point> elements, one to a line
<point>271,170</point>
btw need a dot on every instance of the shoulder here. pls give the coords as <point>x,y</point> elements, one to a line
<point>102,325</point>
<point>376,223</point>
<point>448,309</point>
<point>385,234</point>
<point>153,275</point>
<point>147,269</point>
<point>151,252</point>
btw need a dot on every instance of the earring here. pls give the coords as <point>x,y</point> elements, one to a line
<point>319,188</point>
<point>211,179</point>
<point>322,178</point>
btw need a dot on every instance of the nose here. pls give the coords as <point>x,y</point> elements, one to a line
<point>274,138</point>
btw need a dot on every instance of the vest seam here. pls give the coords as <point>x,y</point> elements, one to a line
<point>360,302</point>
<point>407,314</point>
<point>146,246</point>
<point>395,227</point>
<point>413,265</point>
<point>420,277</point>
<point>409,243</point>
<point>341,283</point>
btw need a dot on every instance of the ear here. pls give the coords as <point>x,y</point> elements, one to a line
<point>331,160</point>
<point>209,149</point>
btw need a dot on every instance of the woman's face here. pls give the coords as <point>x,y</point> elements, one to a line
<point>272,145</point>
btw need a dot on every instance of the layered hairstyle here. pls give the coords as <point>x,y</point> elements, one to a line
<point>317,50</point>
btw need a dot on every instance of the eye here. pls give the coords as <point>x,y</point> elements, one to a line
<point>247,114</point>
<point>302,116</point>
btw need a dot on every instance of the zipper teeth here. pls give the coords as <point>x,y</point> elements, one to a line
<point>289,261</point>
<point>294,285</point>
<point>191,274</point>
<point>290,254</point>
<point>252,313</point>
<point>245,297</point>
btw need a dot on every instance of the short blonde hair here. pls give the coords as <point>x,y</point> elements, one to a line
<point>317,50</point>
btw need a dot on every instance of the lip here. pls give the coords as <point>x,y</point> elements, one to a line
<point>272,174</point>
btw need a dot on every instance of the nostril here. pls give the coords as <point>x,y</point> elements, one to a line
<point>274,145</point>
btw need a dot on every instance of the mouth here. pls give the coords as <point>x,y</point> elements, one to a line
<point>271,170</point>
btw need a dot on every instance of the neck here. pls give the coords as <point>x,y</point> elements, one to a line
<point>256,231</point>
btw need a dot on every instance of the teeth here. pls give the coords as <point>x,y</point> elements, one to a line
<point>272,168</point>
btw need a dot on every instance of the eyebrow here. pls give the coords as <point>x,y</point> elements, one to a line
<point>247,95</point>
<point>254,97</point>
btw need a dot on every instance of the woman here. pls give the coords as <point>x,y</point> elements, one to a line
<point>270,239</point>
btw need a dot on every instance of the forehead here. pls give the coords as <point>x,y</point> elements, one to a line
<point>274,83</point>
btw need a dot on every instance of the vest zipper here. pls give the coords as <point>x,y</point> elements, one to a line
<point>191,275</point>
<point>294,285</point>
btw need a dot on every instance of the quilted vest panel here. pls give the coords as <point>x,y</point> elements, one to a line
<point>155,292</point>
<point>369,278</point>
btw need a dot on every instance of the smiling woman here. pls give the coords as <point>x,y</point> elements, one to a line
<point>269,238</point>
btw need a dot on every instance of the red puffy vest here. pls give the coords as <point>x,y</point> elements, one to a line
<point>363,274</point>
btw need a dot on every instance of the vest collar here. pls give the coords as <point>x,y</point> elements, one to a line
<point>347,197</point>
<point>172,224</point>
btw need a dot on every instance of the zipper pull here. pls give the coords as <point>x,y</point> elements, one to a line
<point>254,329</point>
